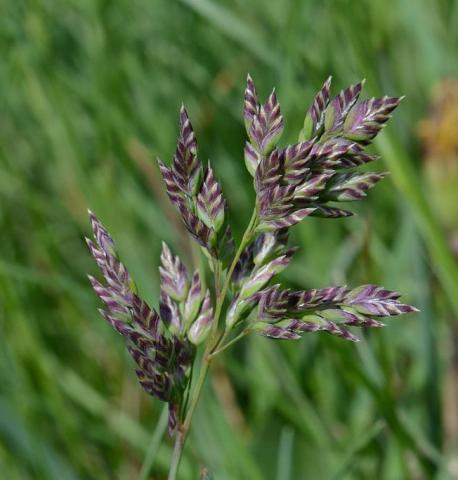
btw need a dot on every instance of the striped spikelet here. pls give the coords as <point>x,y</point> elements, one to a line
<point>186,166</point>
<point>339,107</point>
<point>267,126</point>
<point>368,117</point>
<point>210,202</point>
<point>314,119</point>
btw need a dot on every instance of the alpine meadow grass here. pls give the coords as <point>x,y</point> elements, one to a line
<point>91,94</point>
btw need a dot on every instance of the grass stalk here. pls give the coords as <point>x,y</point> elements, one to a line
<point>212,344</point>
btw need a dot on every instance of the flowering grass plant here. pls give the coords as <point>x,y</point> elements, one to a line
<point>309,178</point>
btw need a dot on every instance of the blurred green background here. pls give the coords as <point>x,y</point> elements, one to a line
<point>90,92</point>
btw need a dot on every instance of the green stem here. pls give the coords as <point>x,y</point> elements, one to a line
<point>242,334</point>
<point>183,429</point>
<point>188,392</point>
<point>196,395</point>
<point>154,445</point>
<point>247,236</point>
<point>176,456</point>
<point>217,273</point>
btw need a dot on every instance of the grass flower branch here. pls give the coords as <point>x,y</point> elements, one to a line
<point>308,178</point>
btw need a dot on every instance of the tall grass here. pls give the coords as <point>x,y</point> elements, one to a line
<point>90,92</point>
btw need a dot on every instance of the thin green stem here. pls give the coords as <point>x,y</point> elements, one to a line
<point>247,236</point>
<point>153,448</point>
<point>217,273</point>
<point>188,391</point>
<point>217,269</point>
<point>242,334</point>
<point>196,395</point>
<point>176,456</point>
<point>183,429</point>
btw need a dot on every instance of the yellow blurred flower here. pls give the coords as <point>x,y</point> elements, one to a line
<point>439,135</point>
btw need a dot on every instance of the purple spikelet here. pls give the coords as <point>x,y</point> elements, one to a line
<point>173,191</point>
<point>193,300</point>
<point>310,189</point>
<point>210,202</point>
<point>261,276</point>
<point>328,327</point>
<point>339,107</point>
<point>264,124</point>
<point>329,152</point>
<point>267,125</point>
<point>114,272</point>
<point>102,237</point>
<point>145,317</point>
<point>275,201</point>
<point>375,300</point>
<point>269,244</point>
<point>243,267</point>
<point>314,118</point>
<point>276,332</point>
<point>286,221</point>
<point>252,158</point>
<point>347,187</point>
<point>274,304</point>
<point>307,299</point>
<point>368,117</point>
<point>173,274</point>
<point>270,170</point>
<point>251,104</point>
<point>198,230</point>
<point>330,212</point>
<point>186,166</point>
<point>170,314</point>
<point>201,327</point>
<point>296,162</point>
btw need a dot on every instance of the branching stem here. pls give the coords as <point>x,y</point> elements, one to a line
<point>242,334</point>
<point>211,348</point>
<point>247,237</point>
